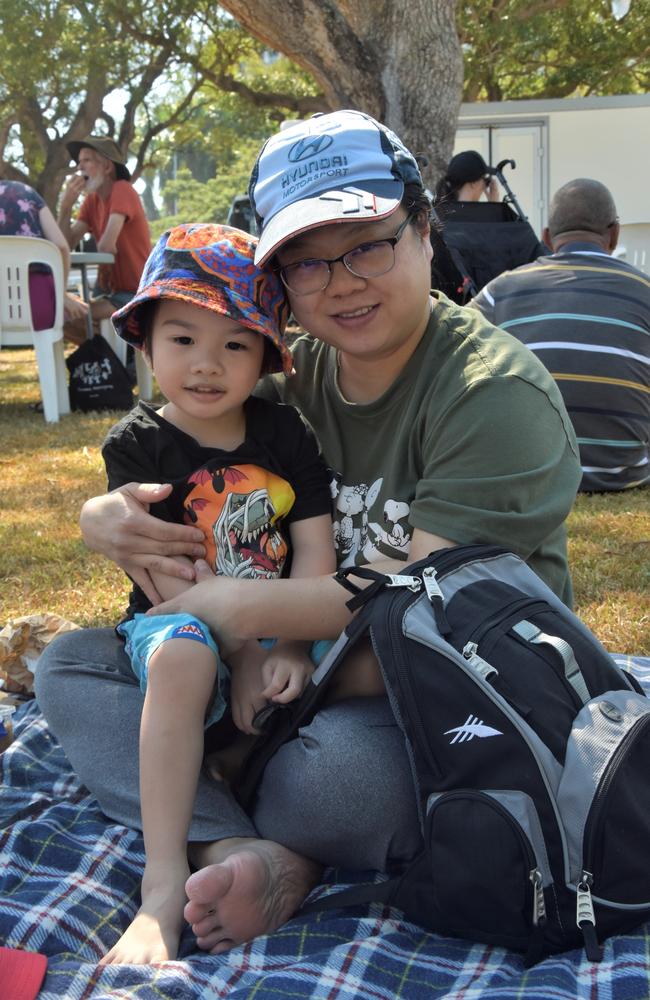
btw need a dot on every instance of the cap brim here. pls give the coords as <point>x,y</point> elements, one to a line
<point>376,200</point>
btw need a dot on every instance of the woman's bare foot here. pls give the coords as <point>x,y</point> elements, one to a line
<point>155,931</point>
<point>254,888</point>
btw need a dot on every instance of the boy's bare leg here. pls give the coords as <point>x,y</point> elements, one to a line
<point>181,679</point>
<point>244,888</point>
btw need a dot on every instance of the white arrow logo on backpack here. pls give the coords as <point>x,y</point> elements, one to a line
<point>470,728</point>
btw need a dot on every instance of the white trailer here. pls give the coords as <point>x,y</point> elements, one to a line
<point>553,141</point>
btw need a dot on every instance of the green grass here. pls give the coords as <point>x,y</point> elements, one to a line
<point>48,470</point>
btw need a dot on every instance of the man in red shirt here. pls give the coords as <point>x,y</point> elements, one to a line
<point>112,212</point>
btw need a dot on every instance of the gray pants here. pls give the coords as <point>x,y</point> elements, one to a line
<point>341,793</point>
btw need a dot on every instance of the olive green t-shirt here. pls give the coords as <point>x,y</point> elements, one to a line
<point>471,442</point>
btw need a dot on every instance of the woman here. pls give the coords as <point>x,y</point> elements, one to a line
<point>468,178</point>
<point>24,213</point>
<point>437,428</point>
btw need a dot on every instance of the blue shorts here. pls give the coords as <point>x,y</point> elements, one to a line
<point>144,634</point>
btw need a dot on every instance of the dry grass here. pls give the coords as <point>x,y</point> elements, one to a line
<point>49,470</point>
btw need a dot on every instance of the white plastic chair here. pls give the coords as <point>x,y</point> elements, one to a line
<point>16,328</point>
<point>142,369</point>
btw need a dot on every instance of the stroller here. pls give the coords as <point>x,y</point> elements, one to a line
<point>476,241</point>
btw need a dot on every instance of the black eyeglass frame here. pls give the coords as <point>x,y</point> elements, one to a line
<point>391,240</point>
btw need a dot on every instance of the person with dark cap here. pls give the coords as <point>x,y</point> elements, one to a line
<point>113,214</point>
<point>437,429</point>
<point>468,178</point>
<point>482,237</point>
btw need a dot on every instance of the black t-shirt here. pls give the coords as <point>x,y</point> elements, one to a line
<point>244,500</point>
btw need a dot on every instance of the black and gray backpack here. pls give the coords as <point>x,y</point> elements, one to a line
<point>530,753</point>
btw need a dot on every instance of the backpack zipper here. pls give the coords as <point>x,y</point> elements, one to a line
<point>585,917</point>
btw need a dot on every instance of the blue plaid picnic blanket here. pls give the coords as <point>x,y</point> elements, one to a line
<point>69,883</point>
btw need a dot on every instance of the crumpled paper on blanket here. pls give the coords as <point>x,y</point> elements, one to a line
<point>22,641</point>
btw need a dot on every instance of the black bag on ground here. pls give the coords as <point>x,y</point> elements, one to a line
<point>529,750</point>
<point>98,379</point>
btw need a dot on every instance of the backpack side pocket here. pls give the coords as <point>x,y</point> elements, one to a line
<point>489,865</point>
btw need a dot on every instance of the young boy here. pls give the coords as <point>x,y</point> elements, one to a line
<point>246,471</point>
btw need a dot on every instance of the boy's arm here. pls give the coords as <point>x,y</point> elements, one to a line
<point>169,587</point>
<point>312,547</point>
<point>312,554</point>
<point>287,667</point>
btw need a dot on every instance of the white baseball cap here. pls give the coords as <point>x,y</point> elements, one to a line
<point>339,167</point>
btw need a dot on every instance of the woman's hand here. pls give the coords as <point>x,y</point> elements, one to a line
<point>492,191</point>
<point>216,600</point>
<point>120,526</point>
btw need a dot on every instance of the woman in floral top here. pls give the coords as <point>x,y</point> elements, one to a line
<point>24,213</point>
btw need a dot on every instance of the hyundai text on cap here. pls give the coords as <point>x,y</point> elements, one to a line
<point>339,167</point>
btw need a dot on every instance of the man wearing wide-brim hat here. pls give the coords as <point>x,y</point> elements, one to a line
<point>112,212</point>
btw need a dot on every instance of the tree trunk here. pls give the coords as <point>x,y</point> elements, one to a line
<point>400,62</point>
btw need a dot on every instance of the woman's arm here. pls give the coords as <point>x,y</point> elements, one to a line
<point>119,526</point>
<point>52,232</point>
<point>302,608</point>
<point>75,308</point>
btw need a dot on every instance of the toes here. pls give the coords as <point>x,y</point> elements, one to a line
<point>207,942</point>
<point>208,885</point>
<point>196,915</point>
<point>206,927</point>
<point>224,945</point>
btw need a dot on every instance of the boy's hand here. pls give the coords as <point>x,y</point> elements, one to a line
<point>246,685</point>
<point>286,670</point>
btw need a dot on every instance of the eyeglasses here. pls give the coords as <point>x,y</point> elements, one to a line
<point>368,260</point>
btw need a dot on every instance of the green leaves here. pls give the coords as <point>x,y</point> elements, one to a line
<point>553,48</point>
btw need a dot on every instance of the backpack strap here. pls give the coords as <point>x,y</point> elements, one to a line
<point>379,581</point>
<point>572,672</point>
<point>355,895</point>
<point>284,721</point>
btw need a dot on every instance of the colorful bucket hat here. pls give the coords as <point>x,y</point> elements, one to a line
<point>211,266</point>
<point>339,167</point>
